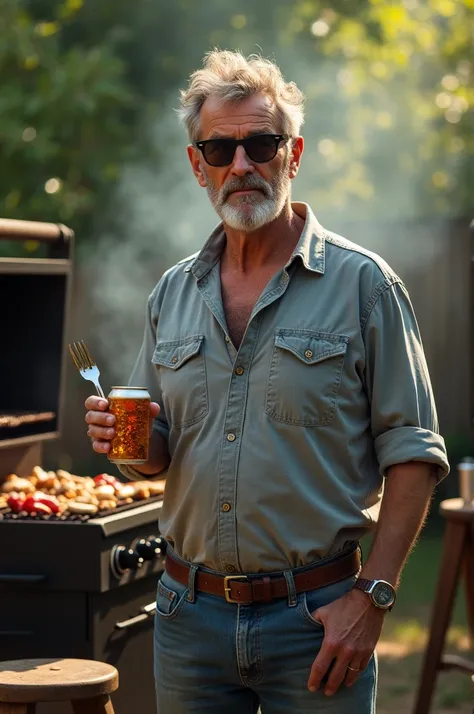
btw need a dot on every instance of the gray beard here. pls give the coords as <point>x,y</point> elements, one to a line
<point>248,213</point>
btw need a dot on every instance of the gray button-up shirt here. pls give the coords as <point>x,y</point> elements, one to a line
<point>278,449</point>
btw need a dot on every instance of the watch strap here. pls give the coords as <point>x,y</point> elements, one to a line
<point>363,584</point>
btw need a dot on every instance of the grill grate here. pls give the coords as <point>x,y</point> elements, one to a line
<point>8,515</point>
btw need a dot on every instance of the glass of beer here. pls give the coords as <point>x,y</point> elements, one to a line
<point>131,408</point>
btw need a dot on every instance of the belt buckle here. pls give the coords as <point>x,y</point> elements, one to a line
<point>227,588</point>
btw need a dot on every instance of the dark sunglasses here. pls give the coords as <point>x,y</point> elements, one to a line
<point>259,148</point>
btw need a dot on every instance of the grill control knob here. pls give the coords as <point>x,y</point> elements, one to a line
<point>145,549</point>
<point>159,546</point>
<point>123,559</point>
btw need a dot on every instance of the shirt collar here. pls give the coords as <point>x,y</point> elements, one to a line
<point>312,242</point>
<point>310,247</point>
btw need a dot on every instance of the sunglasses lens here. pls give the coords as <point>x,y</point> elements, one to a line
<point>261,148</point>
<point>219,152</point>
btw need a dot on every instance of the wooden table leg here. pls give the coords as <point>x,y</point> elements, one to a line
<point>469,579</point>
<point>9,708</point>
<point>96,705</point>
<point>449,572</point>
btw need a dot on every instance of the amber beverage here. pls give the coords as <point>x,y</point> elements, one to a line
<point>131,408</point>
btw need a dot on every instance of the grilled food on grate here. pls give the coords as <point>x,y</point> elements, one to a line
<point>60,492</point>
<point>20,418</point>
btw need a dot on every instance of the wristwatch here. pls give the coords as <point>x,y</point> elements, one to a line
<point>382,594</point>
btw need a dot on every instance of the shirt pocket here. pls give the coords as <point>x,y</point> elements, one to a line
<point>183,380</point>
<point>305,376</point>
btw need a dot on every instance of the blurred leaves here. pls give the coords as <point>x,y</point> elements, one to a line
<point>390,97</point>
<point>60,115</point>
<point>405,92</point>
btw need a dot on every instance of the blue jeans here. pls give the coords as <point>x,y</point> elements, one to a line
<point>215,657</point>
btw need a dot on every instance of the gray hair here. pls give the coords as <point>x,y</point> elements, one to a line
<point>232,77</point>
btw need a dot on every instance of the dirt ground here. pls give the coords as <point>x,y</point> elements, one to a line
<point>399,672</point>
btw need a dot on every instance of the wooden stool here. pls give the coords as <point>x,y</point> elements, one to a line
<point>458,553</point>
<point>85,683</point>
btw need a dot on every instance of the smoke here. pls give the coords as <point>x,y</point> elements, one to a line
<point>357,178</point>
<point>165,216</point>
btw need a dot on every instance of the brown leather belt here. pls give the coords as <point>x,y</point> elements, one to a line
<point>244,590</point>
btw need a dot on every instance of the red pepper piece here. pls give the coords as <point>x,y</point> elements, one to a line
<point>41,509</point>
<point>28,505</point>
<point>15,503</point>
<point>49,501</point>
<point>31,504</point>
<point>101,479</point>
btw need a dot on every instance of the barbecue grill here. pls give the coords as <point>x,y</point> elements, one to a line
<point>70,585</point>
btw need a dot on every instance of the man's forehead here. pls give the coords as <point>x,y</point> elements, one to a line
<point>257,112</point>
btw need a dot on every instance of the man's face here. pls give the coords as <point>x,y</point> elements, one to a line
<point>246,195</point>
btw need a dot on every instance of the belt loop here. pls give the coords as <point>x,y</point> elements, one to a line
<point>192,583</point>
<point>290,584</point>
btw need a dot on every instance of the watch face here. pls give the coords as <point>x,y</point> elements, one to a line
<point>383,595</point>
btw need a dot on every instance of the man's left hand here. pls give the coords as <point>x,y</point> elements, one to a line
<point>352,627</point>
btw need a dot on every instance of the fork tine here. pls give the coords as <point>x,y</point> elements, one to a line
<point>83,353</point>
<point>89,357</point>
<point>75,356</point>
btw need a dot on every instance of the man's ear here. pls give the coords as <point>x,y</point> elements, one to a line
<point>296,153</point>
<point>194,158</point>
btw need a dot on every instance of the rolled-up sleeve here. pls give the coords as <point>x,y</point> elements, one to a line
<point>144,374</point>
<point>403,412</point>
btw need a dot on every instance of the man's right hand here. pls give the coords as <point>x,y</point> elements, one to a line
<point>101,423</point>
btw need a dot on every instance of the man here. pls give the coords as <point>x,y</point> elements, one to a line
<point>290,386</point>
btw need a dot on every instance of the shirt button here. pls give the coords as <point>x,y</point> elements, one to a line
<point>230,569</point>
<point>226,507</point>
<point>308,354</point>
<point>231,437</point>
<point>227,339</point>
<point>239,370</point>
<point>174,360</point>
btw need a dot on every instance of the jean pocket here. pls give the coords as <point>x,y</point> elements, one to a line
<point>183,380</point>
<point>170,598</point>
<point>310,601</point>
<point>305,376</point>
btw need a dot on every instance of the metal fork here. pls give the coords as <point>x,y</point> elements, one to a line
<point>86,365</point>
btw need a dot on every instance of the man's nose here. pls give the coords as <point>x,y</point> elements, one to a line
<point>241,164</point>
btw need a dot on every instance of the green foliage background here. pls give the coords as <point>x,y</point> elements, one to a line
<point>86,95</point>
<point>389,88</point>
